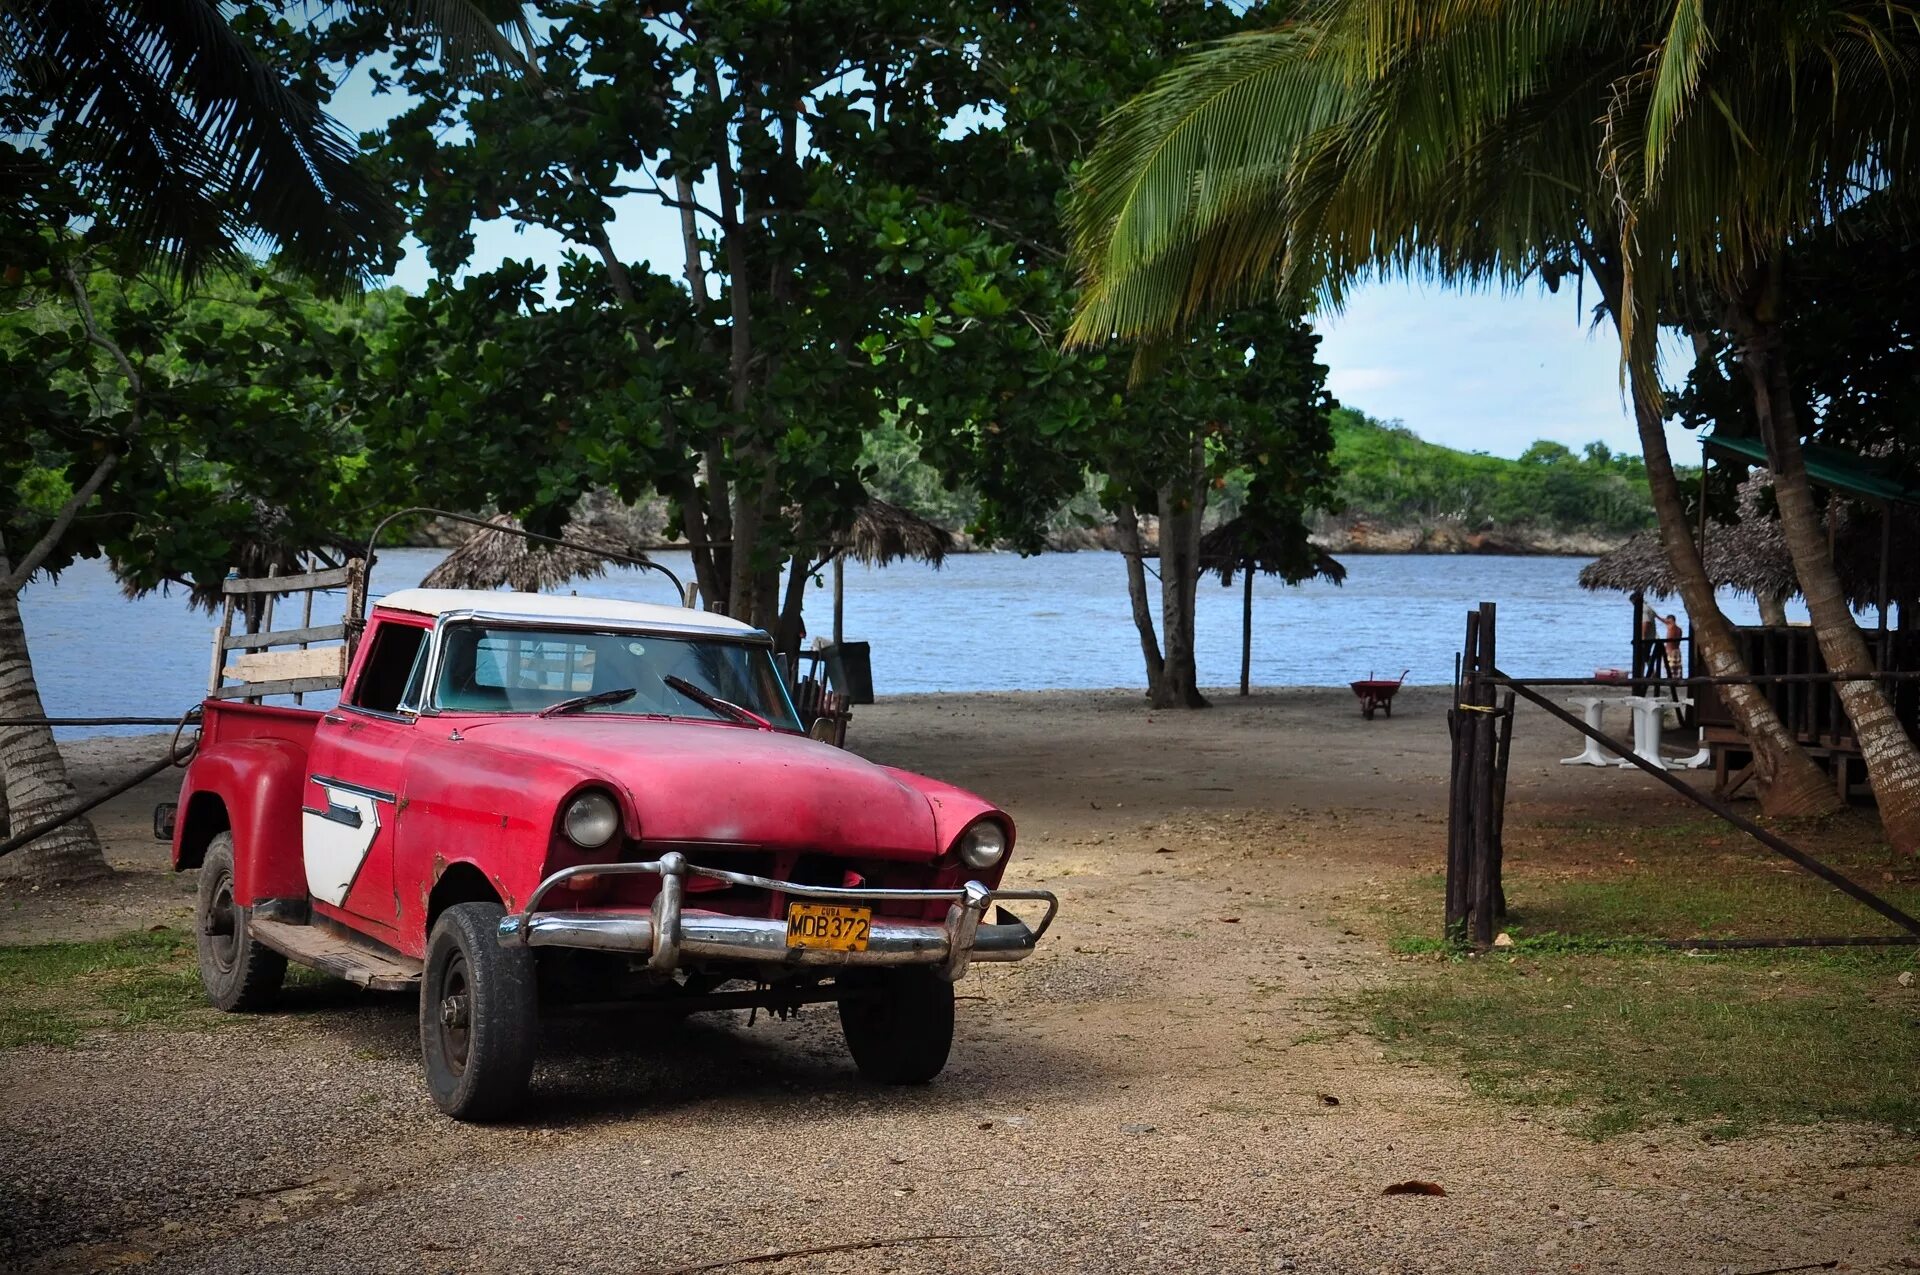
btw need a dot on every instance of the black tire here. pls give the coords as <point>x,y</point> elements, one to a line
<point>479,1015</point>
<point>239,974</point>
<point>898,1024</point>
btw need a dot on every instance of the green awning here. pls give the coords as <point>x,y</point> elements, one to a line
<point>1833,467</point>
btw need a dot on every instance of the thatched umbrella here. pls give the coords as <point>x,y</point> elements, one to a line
<point>882,534</point>
<point>489,559</point>
<point>1239,546</point>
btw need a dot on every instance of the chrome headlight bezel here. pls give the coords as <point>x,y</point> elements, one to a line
<point>591,819</point>
<point>983,845</point>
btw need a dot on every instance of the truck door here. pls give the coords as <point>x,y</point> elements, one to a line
<point>350,819</point>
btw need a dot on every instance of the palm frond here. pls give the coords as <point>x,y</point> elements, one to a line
<point>192,141</point>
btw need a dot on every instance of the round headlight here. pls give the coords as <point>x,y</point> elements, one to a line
<point>591,820</point>
<point>983,845</point>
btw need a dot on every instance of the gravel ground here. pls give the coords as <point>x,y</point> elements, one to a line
<point>1150,1092</point>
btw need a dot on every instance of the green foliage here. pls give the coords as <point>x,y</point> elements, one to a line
<point>185,131</point>
<point>235,437</point>
<point>1387,472</point>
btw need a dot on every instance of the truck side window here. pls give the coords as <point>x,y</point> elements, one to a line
<point>390,666</point>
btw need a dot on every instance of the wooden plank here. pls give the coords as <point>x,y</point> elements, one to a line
<point>331,953</point>
<point>292,686</point>
<point>285,637</point>
<point>333,578</point>
<point>280,666</point>
<point>220,645</point>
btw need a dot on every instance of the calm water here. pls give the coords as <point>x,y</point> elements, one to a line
<point>982,622</point>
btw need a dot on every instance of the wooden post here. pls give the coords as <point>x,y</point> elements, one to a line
<point>1459,789</point>
<point>214,678</point>
<point>1480,902</point>
<point>1886,602</point>
<point>1503,752</point>
<point>306,622</point>
<point>1246,633</point>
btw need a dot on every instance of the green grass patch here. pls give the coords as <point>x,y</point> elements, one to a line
<point>1627,1041</point>
<point>54,993</point>
<point>1586,1015</point>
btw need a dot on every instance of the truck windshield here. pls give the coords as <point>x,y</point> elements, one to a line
<point>513,670</point>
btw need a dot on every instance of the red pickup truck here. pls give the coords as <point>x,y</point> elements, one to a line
<point>523,799</point>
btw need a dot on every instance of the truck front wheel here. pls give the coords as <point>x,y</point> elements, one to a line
<point>898,1024</point>
<point>238,973</point>
<point>479,1015</point>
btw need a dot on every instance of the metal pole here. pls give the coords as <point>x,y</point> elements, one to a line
<point>1246,633</point>
<point>839,596</point>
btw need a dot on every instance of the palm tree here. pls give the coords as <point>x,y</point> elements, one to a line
<point>165,129</point>
<point>1379,136</point>
<point>1744,131</point>
<point>188,137</point>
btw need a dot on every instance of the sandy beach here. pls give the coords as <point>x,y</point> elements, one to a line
<point>1166,1086</point>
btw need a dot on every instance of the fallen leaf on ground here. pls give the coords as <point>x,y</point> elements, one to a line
<point>1414,1186</point>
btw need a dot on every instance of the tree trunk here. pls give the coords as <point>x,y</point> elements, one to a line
<point>1893,764</point>
<point>789,635</point>
<point>1180,510</point>
<point>1788,782</point>
<point>1773,610</point>
<point>1128,525</point>
<point>36,777</point>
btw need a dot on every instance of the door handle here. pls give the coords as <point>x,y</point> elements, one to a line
<point>332,718</point>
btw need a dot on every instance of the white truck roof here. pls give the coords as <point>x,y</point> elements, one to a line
<point>547,606</point>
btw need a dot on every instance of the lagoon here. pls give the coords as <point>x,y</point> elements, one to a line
<point>984,621</point>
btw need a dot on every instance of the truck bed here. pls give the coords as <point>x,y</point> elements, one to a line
<point>226,721</point>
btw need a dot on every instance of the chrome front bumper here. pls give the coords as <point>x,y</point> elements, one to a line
<point>668,934</point>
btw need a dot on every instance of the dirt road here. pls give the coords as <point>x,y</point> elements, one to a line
<point>1163,1088</point>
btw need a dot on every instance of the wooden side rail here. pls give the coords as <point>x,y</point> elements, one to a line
<point>249,659</point>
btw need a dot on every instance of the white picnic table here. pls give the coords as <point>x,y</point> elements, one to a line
<point>1648,711</point>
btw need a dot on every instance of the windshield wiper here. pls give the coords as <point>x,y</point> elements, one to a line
<point>745,716</point>
<point>620,696</point>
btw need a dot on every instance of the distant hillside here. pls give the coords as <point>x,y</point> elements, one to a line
<point>1398,492</point>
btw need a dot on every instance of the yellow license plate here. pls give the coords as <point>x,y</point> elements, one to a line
<point>828,926</point>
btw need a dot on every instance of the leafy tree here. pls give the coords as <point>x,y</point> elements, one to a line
<point>138,136</point>
<point>1388,472</point>
<point>176,436</point>
<point>870,199</point>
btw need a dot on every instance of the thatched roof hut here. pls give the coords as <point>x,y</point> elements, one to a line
<point>1234,544</point>
<point>1748,556</point>
<point>489,559</point>
<point>884,533</point>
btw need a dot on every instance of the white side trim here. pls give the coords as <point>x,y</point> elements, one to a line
<point>334,851</point>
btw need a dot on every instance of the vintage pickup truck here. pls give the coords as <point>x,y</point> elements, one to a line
<point>523,799</point>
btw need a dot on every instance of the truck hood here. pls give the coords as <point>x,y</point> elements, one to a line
<point>710,782</point>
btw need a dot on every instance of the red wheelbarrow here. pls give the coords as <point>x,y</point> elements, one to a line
<point>1377,692</point>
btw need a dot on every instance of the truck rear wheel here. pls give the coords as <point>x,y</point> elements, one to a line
<point>479,1015</point>
<point>238,973</point>
<point>898,1024</point>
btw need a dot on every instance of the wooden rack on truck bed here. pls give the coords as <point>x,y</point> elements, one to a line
<point>248,657</point>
